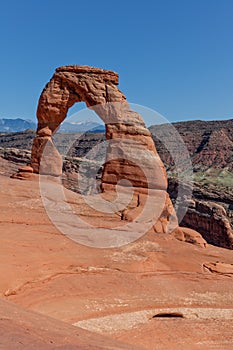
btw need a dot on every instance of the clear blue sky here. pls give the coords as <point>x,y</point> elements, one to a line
<point>174,56</point>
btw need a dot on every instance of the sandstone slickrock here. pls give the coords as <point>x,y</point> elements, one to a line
<point>21,328</point>
<point>45,272</point>
<point>191,236</point>
<point>219,267</point>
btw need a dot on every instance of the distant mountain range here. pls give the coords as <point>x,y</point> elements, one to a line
<point>83,126</point>
<point>17,125</point>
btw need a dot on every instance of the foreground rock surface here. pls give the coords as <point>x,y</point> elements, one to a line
<point>51,274</point>
<point>20,328</point>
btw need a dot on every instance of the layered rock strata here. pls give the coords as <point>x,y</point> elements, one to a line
<point>210,219</point>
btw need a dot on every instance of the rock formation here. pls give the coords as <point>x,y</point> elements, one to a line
<point>125,128</point>
<point>210,219</point>
<point>190,236</point>
<point>205,213</point>
<point>131,156</point>
<point>210,143</point>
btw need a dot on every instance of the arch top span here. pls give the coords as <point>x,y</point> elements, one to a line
<point>107,75</point>
<point>71,84</point>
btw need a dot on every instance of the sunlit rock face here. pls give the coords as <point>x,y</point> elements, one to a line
<point>132,162</point>
<point>131,153</point>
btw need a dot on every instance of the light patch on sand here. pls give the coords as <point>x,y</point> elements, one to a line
<point>118,322</point>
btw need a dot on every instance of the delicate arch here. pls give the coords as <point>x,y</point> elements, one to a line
<point>124,127</point>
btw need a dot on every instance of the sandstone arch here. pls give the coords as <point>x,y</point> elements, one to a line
<point>124,127</point>
<point>131,153</point>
